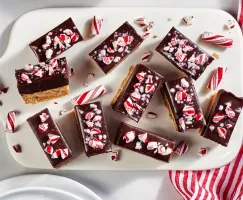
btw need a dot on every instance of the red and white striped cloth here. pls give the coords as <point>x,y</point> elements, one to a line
<point>225,183</point>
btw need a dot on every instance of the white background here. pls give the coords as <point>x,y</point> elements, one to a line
<point>109,185</point>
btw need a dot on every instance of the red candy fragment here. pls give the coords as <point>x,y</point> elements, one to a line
<point>129,136</point>
<point>43,117</point>
<point>229,112</point>
<point>74,37</point>
<point>146,57</point>
<point>108,60</point>
<point>56,154</point>
<point>10,124</point>
<point>49,149</point>
<point>129,106</point>
<point>95,131</point>
<point>218,117</point>
<point>222,132</point>
<point>135,96</point>
<point>152,145</point>
<point>96,144</point>
<point>4,90</point>
<point>149,88</point>
<point>143,137</point>
<point>53,138</point>
<point>182,124</point>
<point>115,155</point>
<point>199,116</point>
<point>17,148</point>
<point>180,96</point>
<point>96,26</point>
<point>203,151</point>
<point>140,76</point>
<point>89,115</point>
<point>188,110</point>
<point>128,39</point>
<point>228,126</point>
<point>64,153</point>
<point>43,127</point>
<point>181,148</point>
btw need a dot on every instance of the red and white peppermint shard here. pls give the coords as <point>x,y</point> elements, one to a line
<point>89,95</point>
<point>218,117</point>
<point>135,96</point>
<point>189,20</point>
<point>25,77</point>
<point>149,88</point>
<point>96,26</point>
<point>217,39</point>
<point>142,21</point>
<point>56,154</point>
<point>216,78</point>
<point>129,136</point>
<point>108,60</point>
<point>49,149</point>
<point>152,145</point>
<point>64,153</point>
<point>228,126</point>
<point>43,117</point>
<point>203,151</point>
<point>188,110</point>
<point>97,118</point>
<point>182,124</point>
<point>143,137</point>
<point>128,105</point>
<point>128,39</point>
<point>230,24</point>
<point>146,57</point>
<point>201,59</point>
<point>199,116</point>
<point>96,144</point>
<point>140,76</point>
<point>146,35</point>
<point>95,131</point>
<point>10,124</point>
<point>181,148</point>
<point>114,155</point>
<point>43,127</point>
<point>149,26</point>
<point>89,115</point>
<point>180,96</point>
<point>229,112</point>
<point>53,138</point>
<point>184,83</point>
<point>4,90</point>
<point>222,132</point>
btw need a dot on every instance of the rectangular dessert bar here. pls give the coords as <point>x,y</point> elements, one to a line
<point>224,111</point>
<point>145,142</point>
<point>136,91</point>
<point>116,47</point>
<point>50,138</point>
<point>181,99</point>
<point>92,127</point>
<point>43,81</point>
<point>56,41</point>
<point>184,54</point>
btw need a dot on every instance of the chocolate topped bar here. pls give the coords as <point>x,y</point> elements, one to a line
<point>184,54</point>
<point>92,127</point>
<point>50,138</point>
<point>145,142</point>
<point>224,112</point>
<point>116,47</point>
<point>56,41</point>
<point>43,81</point>
<point>136,91</point>
<point>181,99</point>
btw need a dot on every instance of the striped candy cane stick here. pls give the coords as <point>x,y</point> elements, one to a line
<point>216,78</point>
<point>10,124</point>
<point>89,95</point>
<point>217,39</point>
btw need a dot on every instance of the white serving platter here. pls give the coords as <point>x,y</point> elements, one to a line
<point>44,187</point>
<point>33,24</point>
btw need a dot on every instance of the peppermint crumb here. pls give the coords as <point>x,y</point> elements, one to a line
<point>216,55</point>
<point>169,19</point>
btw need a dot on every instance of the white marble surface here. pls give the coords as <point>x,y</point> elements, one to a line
<point>110,185</point>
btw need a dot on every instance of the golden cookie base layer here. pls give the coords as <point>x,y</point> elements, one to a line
<point>45,95</point>
<point>123,84</point>
<point>167,104</point>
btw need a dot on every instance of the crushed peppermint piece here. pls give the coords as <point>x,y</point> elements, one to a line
<point>203,151</point>
<point>115,155</point>
<point>17,148</point>
<point>146,57</point>
<point>62,112</point>
<point>151,115</point>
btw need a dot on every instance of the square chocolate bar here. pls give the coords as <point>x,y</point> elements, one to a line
<point>56,41</point>
<point>145,142</point>
<point>43,81</point>
<point>224,111</point>
<point>182,102</point>
<point>136,91</point>
<point>116,47</point>
<point>92,127</point>
<point>50,138</point>
<point>184,54</point>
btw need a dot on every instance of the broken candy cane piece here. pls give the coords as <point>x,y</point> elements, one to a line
<point>96,26</point>
<point>216,78</point>
<point>217,39</point>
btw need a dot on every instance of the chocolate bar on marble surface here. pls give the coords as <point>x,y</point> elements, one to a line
<point>116,47</point>
<point>184,54</point>
<point>92,126</point>
<point>182,102</point>
<point>50,138</point>
<point>56,41</point>
<point>136,91</point>
<point>43,81</point>
<point>224,111</point>
<point>145,142</point>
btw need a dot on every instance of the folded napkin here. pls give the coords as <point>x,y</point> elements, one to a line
<point>225,183</point>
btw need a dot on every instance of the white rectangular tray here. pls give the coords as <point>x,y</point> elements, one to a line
<point>34,24</point>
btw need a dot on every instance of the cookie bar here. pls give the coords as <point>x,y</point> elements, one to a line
<point>184,54</point>
<point>56,41</point>
<point>92,127</point>
<point>43,81</point>
<point>116,47</point>
<point>50,138</point>
<point>145,142</point>
<point>136,91</point>
<point>181,99</point>
<point>225,109</point>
